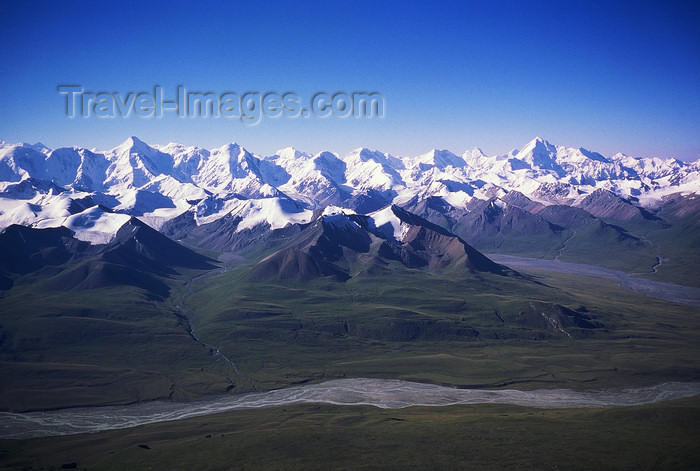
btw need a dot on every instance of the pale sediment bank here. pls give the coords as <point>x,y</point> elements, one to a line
<point>384,393</point>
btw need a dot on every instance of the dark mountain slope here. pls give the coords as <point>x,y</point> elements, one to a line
<point>336,244</point>
<point>136,257</point>
<point>593,241</point>
<point>494,226</point>
<point>437,248</point>
<point>139,246</point>
<point>515,198</point>
<point>290,264</point>
<point>222,235</point>
<point>435,210</point>
<point>92,274</point>
<point>25,250</point>
<point>605,204</point>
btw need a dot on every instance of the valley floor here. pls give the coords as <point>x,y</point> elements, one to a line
<point>655,289</point>
<point>660,436</point>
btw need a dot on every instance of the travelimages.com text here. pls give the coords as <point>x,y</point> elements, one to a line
<point>249,107</point>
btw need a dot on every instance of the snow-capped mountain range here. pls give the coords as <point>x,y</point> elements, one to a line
<point>94,193</point>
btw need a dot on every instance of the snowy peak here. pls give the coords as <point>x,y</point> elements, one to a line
<point>160,183</point>
<point>135,163</point>
<point>232,169</point>
<point>539,154</point>
<point>388,223</point>
<point>440,159</point>
<point>290,153</point>
<point>76,167</point>
<point>363,154</point>
<point>593,155</point>
<point>133,147</point>
<point>394,222</point>
<point>371,169</point>
<point>240,163</point>
<point>40,148</point>
<point>273,212</point>
<point>538,145</point>
<point>187,161</point>
<point>132,142</point>
<point>330,166</point>
<point>19,161</point>
<point>96,225</point>
<point>473,155</point>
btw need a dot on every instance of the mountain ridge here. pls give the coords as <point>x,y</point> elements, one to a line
<point>134,172</point>
<point>226,198</point>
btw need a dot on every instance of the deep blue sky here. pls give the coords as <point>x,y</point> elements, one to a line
<point>611,77</point>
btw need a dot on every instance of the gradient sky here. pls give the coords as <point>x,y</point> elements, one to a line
<point>611,77</point>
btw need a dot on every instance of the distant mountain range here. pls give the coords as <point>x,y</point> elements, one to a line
<point>543,200</point>
<point>172,272</point>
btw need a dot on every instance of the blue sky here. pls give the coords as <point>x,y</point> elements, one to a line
<point>611,77</point>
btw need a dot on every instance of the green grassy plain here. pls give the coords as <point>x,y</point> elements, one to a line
<point>118,345</point>
<point>111,345</point>
<point>469,330</point>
